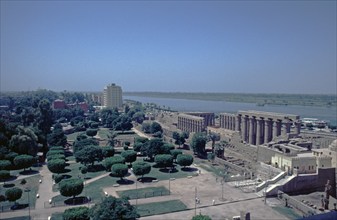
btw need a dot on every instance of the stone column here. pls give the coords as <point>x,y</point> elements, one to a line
<point>237,123</point>
<point>274,129</point>
<point>231,122</point>
<point>298,127</point>
<point>284,128</point>
<point>251,131</point>
<point>267,131</point>
<point>244,128</point>
<point>258,131</point>
<point>279,127</point>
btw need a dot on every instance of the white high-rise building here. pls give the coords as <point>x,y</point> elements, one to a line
<point>112,96</point>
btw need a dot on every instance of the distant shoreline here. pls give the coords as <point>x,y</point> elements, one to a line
<point>258,99</point>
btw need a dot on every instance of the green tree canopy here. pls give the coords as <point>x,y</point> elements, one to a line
<point>175,153</point>
<point>164,160</point>
<point>78,213</point>
<point>13,194</point>
<point>24,161</point>
<point>119,170</point>
<point>5,165</point>
<point>91,132</point>
<point>108,151</point>
<point>114,208</point>
<point>4,175</point>
<point>184,160</point>
<point>129,156</point>
<point>79,144</point>
<point>141,168</point>
<point>56,165</point>
<point>57,136</point>
<point>108,162</point>
<point>198,143</point>
<point>71,187</point>
<point>89,155</point>
<point>25,142</point>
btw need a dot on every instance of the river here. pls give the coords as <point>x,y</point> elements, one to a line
<point>328,114</point>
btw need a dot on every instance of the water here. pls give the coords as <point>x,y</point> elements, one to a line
<point>185,105</point>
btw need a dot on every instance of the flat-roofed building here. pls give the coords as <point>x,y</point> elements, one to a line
<point>112,96</point>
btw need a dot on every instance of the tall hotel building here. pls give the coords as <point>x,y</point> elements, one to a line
<point>112,96</point>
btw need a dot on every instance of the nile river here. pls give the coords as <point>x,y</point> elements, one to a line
<point>184,105</point>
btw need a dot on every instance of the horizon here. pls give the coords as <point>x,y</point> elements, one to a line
<point>249,47</point>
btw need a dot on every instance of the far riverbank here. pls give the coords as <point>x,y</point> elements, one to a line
<point>328,114</point>
<point>320,100</point>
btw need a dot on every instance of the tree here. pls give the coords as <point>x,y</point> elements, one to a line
<point>25,142</point>
<point>57,136</point>
<point>138,117</point>
<point>89,154</point>
<point>152,147</point>
<point>141,168</point>
<point>13,194</point>
<point>164,160</point>
<point>56,165</point>
<point>71,187</point>
<point>114,208</point>
<point>4,175</point>
<point>123,123</point>
<point>79,144</point>
<point>45,121</point>
<point>201,217</point>
<point>108,151</point>
<point>184,160</point>
<point>119,170</point>
<point>78,213</point>
<point>111,138</point>
<point>91,132</point>
<point>146,127</point>
<point>198,143</point>
<point>155,127</point>
<point>129,156</point>
<point>5,165</point>
<point>108,162</point>
<point>179,138</point>
<point>175,153</point>
<point>24,161</point>
<point>213,137</point>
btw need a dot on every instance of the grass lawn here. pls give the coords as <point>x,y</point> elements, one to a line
<point>157,208</point>
<point>32,184</point>
<point>144,192</point>
<point>288,212</point>
<point>18,218</point>
<point>57,216</point>
<point>94,190</point>
<point>72,137</point>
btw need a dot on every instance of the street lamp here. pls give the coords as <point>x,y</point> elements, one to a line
<point>136,193</point>
<point>195,201</point>
<point>28,190</point>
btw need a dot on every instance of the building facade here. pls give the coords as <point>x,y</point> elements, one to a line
<point>112,96</point>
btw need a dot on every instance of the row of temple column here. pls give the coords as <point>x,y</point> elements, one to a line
<point>190,124</point>
<point>257,130</point>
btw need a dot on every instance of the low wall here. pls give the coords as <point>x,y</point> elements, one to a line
<point>290,201</point>
<point>308,183</point>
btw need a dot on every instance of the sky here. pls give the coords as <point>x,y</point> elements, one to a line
<point>169,46</point>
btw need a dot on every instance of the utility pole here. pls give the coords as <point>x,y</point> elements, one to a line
<point>195,201</point>
<point>28,190</point>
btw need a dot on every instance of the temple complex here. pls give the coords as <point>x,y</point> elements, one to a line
<point>195,121</point>
<point>261,127</point>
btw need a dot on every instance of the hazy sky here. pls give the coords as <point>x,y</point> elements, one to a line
<point>186,46</point>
